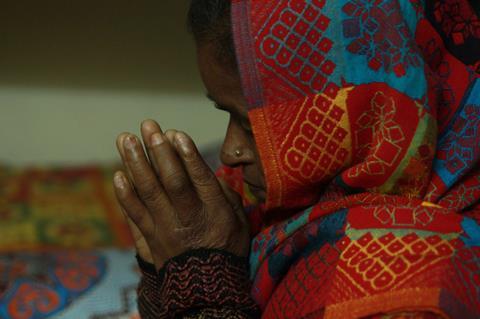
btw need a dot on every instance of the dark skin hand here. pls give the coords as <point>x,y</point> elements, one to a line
<point>173,201</point>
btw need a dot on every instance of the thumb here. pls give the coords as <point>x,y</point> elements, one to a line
<point>141,245</point>
<point>233,197</point>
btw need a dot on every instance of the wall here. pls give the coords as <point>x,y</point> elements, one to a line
<point>47,126</point>
<point>75,74</point>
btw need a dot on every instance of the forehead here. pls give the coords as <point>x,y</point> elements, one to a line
<point>223,84</point>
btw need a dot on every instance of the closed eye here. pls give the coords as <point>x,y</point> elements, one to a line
<point>220,107</point>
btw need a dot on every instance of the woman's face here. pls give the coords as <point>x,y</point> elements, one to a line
<point>224,88</point>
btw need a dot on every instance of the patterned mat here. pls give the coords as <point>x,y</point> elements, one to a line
<point>53,222</point>
<point>59,208</point>
<point>68,285</point>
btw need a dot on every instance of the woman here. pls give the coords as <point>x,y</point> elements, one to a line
<point>354,142</point>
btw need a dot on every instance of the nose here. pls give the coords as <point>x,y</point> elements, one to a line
<point>236,150</point>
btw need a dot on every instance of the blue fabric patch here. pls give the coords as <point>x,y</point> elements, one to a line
<point>365,57</point>
<point>459,143</point>
<point>472,230</point>
<point>329,229</point>
<point>50,283</point>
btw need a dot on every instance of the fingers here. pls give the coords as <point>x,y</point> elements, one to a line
<point>148,128</point>
<point>141,245</point>
<point>179,178</point>
<point>121,150</point>
<point>235,201</point>
<point>233,198</point>
<point>143,177</point>
<point>170,134</point>
<point>174,179</point>
<point>202,177</point>
<point>131,204</point>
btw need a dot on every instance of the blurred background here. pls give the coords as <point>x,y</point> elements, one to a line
<point>74,74</point>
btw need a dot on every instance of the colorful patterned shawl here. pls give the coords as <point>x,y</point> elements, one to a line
<point>368,112</point>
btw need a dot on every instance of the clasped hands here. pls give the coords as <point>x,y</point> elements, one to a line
<point>172,200</point>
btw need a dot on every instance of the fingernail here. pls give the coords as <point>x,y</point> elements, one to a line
<point>170,135</point>
<point>119,180</point>
<point>130,142</point>
<point>149,125</point>
<point>182,142</point>
<point>157,139</point>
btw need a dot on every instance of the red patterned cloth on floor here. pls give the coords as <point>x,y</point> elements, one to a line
<point>50,208</point>
<point>53,220</point>
<point>368,113</point>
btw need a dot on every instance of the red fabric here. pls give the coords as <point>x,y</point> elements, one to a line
<point>363,111</point>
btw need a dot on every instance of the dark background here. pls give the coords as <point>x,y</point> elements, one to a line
<point>101,44</point>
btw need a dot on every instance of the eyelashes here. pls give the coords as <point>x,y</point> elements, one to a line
<point>220,107</point>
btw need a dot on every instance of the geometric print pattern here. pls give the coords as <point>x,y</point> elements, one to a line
<point>373,261</point>
<point>459,26</point>
<point>295,45</point>
<point>467,266</point>
<point>40,285</point>
<point>57,208</point>
<point>319,134</point>
<point>378,138</point>
<point>458,147</point>
<point>303,284</point>
<point>391,138</point>
<point>464,195</point>
<point>390,215</point>
<point>458,22</point>
<point>115,296</point>
<point>294,246</point>
<point>432,50</point>
<point>380,264</point>
<point>378,31</point>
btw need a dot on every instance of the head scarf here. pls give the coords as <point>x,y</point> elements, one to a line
<point>366,115</point>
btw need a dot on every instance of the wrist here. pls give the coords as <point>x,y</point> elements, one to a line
<point>200,278</point>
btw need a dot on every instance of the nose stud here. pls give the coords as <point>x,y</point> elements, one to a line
<point>238,153</point>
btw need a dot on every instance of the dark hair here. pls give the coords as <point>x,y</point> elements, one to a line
<point>210,22</point>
